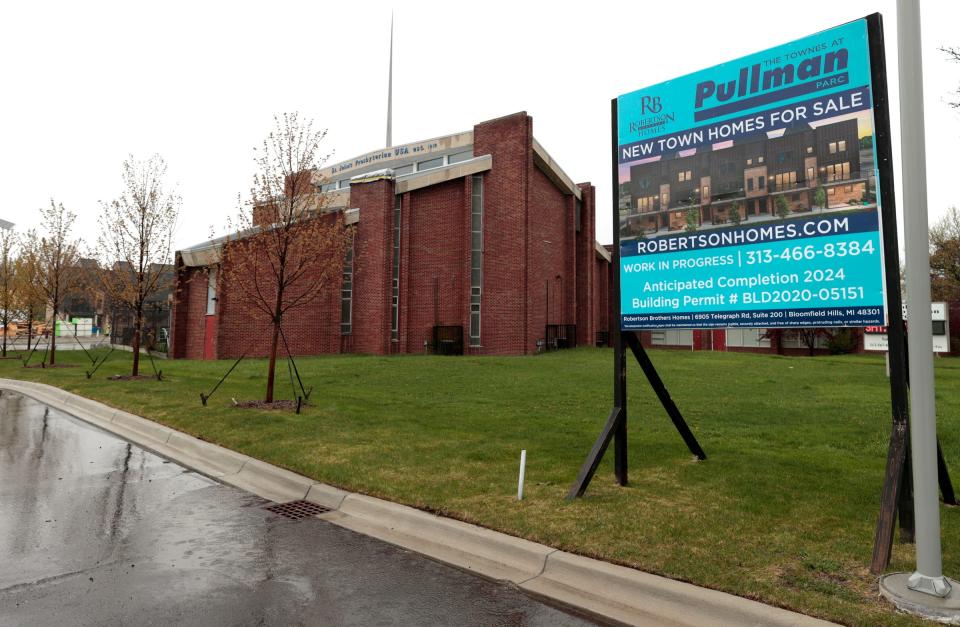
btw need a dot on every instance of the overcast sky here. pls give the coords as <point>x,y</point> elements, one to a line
<point>86,84</point>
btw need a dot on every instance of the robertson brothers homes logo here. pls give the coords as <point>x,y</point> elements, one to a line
<point>654,119</point>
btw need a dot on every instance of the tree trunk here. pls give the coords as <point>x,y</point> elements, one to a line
<point>29,328</point>
<point>6,326</point>
<point>137,326</point>
<point>277,321</point>
<point>273,360</point>
<point>53,339</point>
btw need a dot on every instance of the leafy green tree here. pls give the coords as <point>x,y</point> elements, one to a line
<point>820,198</point>
<point>733,214</point>
<point>782,206</point>
<point>692,216</point>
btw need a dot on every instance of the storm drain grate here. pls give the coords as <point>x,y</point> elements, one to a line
<point>295,510</point>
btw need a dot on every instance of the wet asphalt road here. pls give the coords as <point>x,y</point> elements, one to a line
<point>95,531</point>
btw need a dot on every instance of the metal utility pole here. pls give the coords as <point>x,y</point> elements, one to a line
<point>926,591</point>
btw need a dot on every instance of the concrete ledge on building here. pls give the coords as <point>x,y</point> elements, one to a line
<point>554,172</point>
<point>604,589</point>
<point>435,176</point>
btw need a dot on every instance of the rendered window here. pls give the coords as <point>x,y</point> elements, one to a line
<point>404,169</point>
<point>328,187</point>
<point>750,185</point>
<point>761,182</point>
<point>842,145</point>
<point>345,184</point>
<point>833,147</point>
<point>646,203</point>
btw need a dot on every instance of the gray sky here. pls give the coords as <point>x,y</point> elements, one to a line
<point>86,84</point>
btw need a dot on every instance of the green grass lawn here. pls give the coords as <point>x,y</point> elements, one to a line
<point>783,510</point>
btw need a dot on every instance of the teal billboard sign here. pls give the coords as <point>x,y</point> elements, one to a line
<point>748,192</point>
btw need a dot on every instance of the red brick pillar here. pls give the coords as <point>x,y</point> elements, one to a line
<point>507,326</point>
<point>586,268</point>
<point>373,256</point>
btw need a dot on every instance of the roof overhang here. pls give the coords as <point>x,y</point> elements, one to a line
<point>546,164</point>
<point>603,252</point>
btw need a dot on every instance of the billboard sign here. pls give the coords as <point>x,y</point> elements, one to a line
<point>748,192</point>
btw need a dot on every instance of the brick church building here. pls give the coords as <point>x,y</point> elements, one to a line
<point>472,243</point>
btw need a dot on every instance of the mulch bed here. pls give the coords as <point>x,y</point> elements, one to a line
<point>127,377</point>
<point>283,404</point>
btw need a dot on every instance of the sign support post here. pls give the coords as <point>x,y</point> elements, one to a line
<point>926,591</point>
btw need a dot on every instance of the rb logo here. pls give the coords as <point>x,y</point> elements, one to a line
<point>650,104</point>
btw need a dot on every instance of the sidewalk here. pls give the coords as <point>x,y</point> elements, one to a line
<point>613,592</point>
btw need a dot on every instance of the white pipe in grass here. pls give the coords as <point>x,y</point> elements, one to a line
<point>523,468</point>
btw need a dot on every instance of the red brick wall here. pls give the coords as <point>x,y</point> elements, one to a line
<point>189,313</point>
<point>373,254</point>
<point>434,286</point>
<point>505,312</point>
<point>310,328</point>
<point>551,278</point>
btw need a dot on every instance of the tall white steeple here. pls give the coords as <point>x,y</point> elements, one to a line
<point>390,90</point>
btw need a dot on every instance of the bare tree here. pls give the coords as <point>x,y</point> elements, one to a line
<point>954,53</point>
<point>30,300</point>
<point>8,281</point>
<point>945,256</point>
<point>136,240</point>
<point>55,262</point>
<point>288,250</point>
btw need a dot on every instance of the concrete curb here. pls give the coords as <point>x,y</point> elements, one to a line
<point>489,553</point>
<point>636,597</point>
<point>611,591</point>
